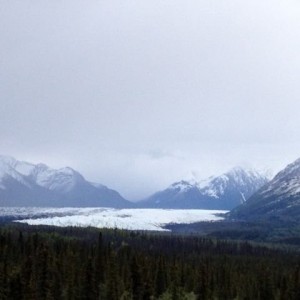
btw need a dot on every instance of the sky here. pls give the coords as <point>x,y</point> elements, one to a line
<point>139,94</point>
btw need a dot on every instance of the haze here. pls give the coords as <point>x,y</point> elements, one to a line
<point>138,94</point>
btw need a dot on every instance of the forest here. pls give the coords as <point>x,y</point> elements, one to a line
<point>52,263</point>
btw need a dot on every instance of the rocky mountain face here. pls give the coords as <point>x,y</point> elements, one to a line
<point>221,192</point>
<point>26,184</point>
<point>278,199</point>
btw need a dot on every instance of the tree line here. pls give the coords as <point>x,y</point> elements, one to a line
<point>73,263</point>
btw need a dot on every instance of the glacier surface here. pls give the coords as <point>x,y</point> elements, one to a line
<point>130,219</point>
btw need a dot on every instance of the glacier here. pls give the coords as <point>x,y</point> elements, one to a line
<point>129,219</point>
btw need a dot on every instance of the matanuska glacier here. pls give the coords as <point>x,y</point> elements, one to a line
<point>130,219</point>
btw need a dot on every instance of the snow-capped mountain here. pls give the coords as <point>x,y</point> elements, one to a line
<point>26,184</point>
<point>280,198</point>
<point>222,192</point>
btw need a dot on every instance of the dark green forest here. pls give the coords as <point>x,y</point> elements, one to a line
<point>74,263</point>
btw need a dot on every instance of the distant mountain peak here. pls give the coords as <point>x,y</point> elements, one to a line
<point>182,185</point>
<point>27,184</point>
<point>242,171</point>
<point>216,192</point>
<point>67,170</point>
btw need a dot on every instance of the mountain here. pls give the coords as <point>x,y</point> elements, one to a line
<point>26,184</point>
<point>278,199</point>
<point>222,192</point>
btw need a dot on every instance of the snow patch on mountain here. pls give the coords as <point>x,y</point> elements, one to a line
<point>98,185</point>
<point>181,186</point>
<point>62,180</point>
<point>23,184</point>
<point>217,192</point>
<point>286,183</point>
<point>7,171</point>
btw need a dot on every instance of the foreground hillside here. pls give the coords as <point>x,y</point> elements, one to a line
<point>278,200</point>
<point>70,263</point>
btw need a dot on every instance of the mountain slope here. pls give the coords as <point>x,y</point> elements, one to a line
<point>221,192</point>
<point>278,199</point>
<point>26,184</point>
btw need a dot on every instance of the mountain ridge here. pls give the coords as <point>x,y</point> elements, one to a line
<point>278,199</point>
<point>27,184</point>
<point>217,192</point>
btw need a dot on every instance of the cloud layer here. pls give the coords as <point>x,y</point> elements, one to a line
<point>137,94</point>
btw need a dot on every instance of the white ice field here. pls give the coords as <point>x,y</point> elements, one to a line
<point>131,219</point>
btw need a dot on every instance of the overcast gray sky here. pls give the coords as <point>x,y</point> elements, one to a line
<point>138,94</point>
